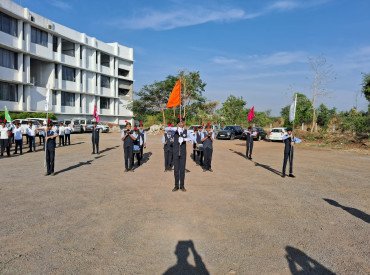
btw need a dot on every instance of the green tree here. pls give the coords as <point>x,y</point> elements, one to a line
<point>303,112</point>
<point>324,115</point>
<point>366,86</point>
<point>233,111</point>
<point>354,121</point>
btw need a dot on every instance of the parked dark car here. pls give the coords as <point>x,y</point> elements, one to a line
<point>230,132</point>
<point>261,134</point>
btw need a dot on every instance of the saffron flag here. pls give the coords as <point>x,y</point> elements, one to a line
<point>7,116</point>
<point>292,109</point>
<point>175,96</point>
<point>95,114</point>
<point>251,114</point>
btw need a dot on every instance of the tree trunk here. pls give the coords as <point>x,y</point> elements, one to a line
<point>164,118</point>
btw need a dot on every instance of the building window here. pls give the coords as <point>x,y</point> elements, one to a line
<point>80,100</point>
<point>54,98</point>
<point>55,43</point>
<point>123,72</point>
<point>104,103</point>
<point>96,57</point>
<point>8,92</point>
<point>56,70</point>
<point>24,31</point>
<point>81,52</point>
<point>104,81</point>
<point>8,59</point>
<point>81,76</point>
<point>68,48</point>
<point>123,92</point>
<point>68,99</point>
<point>8,24</point>
<point>39,37</point>
<point>68,73</point>
<point>104,60</point>
<point>24,63</point>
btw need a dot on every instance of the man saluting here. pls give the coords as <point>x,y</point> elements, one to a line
<point>179,153</point>
<point>289,141</point>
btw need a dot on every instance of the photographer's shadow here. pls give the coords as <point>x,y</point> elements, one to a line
<point>182,266</point>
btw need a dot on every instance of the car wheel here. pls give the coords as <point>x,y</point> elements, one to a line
<point>232,137</point>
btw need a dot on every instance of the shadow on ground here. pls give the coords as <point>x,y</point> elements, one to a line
<point>299,263</point>
<point>182,252</point>
<point>353,211</point>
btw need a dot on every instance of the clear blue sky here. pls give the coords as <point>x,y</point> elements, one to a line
<point>257,49</point>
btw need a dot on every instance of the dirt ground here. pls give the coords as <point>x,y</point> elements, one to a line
<point>92,218</point>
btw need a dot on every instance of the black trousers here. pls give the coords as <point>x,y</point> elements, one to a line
<point>168,155</point>
<point>200,157</point>
<point>194,155</point>
<point>68,139</point>
<point>95,146</point>
<point>50,158</point>
<point>179,168</point>
<point>18,143</point>
<point>61,140</point>
<point>128,155</point>
<point>288,156</point>
<point>41,139</point>
<point>141,151</point>
<point>31,142</point>
<point>207,158</point>
<point>4,144</point>
<point>248,154</point>
<point>138,157</point>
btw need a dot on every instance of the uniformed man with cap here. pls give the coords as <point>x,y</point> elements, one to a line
<point>289,140</point>
<point>95,138</point>
<point>195,147</point>
<point>128,137</point>
<point>207,140</point>
<point>179,153</point>
<point>200,151</point>
<point>50,149</point>
<point>167,141</point>
<point>250,134</point>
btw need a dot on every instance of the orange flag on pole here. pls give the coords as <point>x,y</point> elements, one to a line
<point>175,96</point>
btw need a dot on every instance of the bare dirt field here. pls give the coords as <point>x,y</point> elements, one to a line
<point>92,218</point>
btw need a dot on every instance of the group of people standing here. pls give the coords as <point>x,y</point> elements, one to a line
<point>13,133</point>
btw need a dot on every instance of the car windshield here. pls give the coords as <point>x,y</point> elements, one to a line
<point>276,130</point>
<point>89,121</point>
<point>76,122</point>
<point>227,128</point>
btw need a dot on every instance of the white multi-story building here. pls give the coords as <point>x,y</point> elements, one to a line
<point>81,71</point>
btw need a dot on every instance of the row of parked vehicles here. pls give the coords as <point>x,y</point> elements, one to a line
<point>237,132</point>
<point>79,125</point>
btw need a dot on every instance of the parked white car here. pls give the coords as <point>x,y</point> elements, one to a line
<point>277,134</point>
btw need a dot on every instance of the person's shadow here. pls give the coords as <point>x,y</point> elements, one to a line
<point>353,211</point>
<point>299,263</point>
<point>182,266</point>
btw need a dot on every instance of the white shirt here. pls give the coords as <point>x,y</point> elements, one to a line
<point>61,130</point>
<point>3,132</point>
<point>67,130</point>
<point>17,133</point>
<point>31,131</point>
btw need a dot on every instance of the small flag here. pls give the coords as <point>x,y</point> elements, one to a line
<point>95,114</point>
<point>7,116</point>
<point>47,99</point>
<point>292,109</point>
<point>175,96</point>
<point>251,114</point>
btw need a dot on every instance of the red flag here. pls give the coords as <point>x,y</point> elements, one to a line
<point>251,114</point>
<point>175,96</point>
<point>95,114</point>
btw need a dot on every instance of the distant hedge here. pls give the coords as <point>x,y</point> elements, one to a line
<point>23,115</point>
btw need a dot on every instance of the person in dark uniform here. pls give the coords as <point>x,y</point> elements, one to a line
<point>199,137</point>
<point>142,134</point>
<point>289,141</point>
<point>195,143</point>
<point>167,141</point>
<point>128,137</point>
<point>50,150</point>
<point>250,134</point>
<point>207,140</point>
<point>137,146</point>
<point>179,154</point>
<point>95,138</point>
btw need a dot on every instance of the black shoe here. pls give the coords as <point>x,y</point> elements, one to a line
<point>175,189</point>
<point>210,170</point>
<point>283,175</point>
<point>291,176</point>
<point>183,189</point>
<point>47,174</point>
<point>92,153</point>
